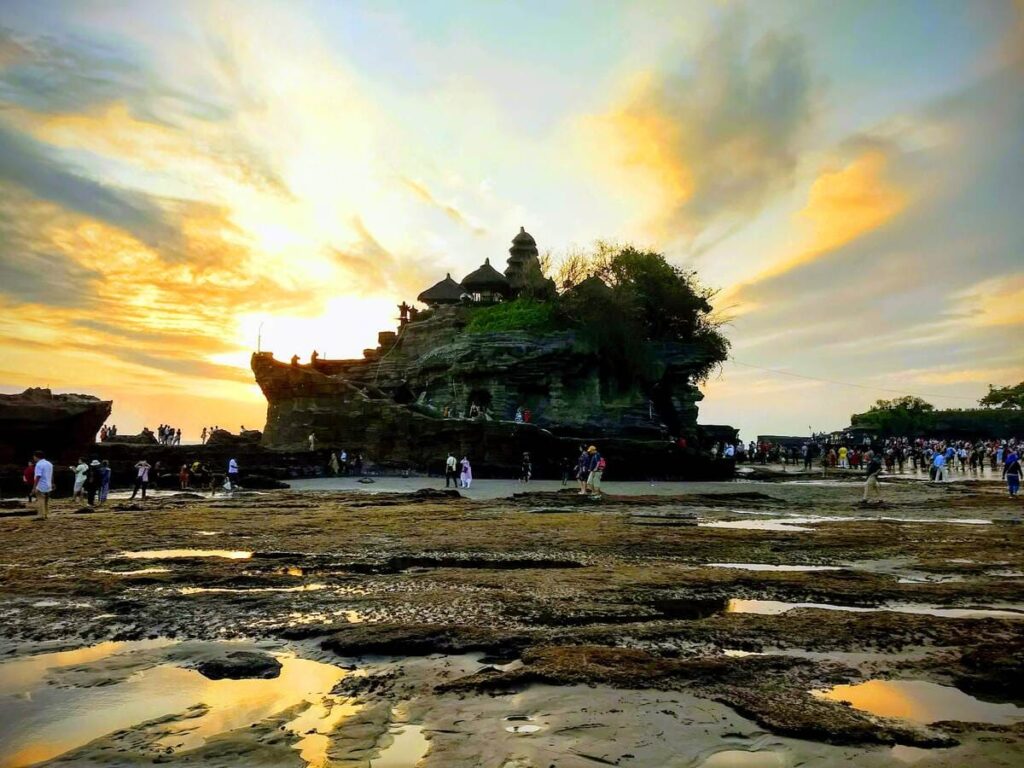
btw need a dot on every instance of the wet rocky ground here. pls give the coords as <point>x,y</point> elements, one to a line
<point>735,624</point>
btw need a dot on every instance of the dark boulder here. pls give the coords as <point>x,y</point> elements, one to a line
<point>240,665</point>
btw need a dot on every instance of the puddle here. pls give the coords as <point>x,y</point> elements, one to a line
<point>170,554</point>
<point>138,572</point>
<point>409,747</point>
<point>248,590</point>
<point>735,653</point>
<point>921,702</point>
<point>56,702</point>
<point>521,724</point>
<point>738,758</point>
<point>775,607</point>
<point>793,525</point>
<point>207,533</point>
<point>768,567</point>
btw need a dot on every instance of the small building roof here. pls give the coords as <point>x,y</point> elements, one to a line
<point>485,278</point>
<point>443,292</point>
<point>523,238</point>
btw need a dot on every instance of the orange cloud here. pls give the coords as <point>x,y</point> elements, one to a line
<point>995,302</point>
<point>842,205</point>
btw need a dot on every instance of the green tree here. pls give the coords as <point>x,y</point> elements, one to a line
<point>905,403</point>
<point>1004,397</point>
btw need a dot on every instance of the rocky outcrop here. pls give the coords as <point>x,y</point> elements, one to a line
<point>406,404</point>
<point>60,425</point>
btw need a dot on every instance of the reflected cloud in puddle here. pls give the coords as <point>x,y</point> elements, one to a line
<point>770,567</point>
<point>137,572</point>
<point>775,607</point>
<point>171,554</point>
<point>407,748</point>
<point>921,702</point>
<point>248,590</point>
<point>99,690</point>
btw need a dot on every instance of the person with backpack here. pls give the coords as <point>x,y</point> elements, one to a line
<point>595,471</point>
<point>1012,472</point>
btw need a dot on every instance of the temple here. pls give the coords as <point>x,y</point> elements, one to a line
<point>438,383</point>
<point>486,285</point>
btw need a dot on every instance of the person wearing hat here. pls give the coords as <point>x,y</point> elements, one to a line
<point>92,481</point>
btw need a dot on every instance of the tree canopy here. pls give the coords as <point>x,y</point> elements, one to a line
<point>905,403</point>
<point>619,295</point>
<point>1004,397</point>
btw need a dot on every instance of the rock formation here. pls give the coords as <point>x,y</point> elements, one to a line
<point>61,425</point>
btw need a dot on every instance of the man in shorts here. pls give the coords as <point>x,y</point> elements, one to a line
<point>42,485</point>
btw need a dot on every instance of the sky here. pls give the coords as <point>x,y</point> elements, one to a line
<point>181,181</point>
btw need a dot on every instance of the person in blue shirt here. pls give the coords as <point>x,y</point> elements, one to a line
<point>1012,472</point>
<point>939,462</point>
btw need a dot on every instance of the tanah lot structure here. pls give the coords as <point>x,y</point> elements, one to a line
<point>476,373</point>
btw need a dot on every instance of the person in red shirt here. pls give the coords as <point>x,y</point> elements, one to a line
<point>29,476</point>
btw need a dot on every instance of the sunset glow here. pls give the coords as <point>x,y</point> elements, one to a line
<point>184,181</point>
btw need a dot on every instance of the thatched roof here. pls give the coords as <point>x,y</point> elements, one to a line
<point>445,292</point>
<point>486,278</point>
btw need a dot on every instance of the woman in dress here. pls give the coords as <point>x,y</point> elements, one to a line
<point>467,473</point>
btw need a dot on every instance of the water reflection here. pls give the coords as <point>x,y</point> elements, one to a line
<point>775,607</point>
<point>53,703</point>
<point>921,702</point>
<point>170,554</point>
<point>770,567</point>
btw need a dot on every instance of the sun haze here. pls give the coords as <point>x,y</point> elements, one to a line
<point>184,181</point>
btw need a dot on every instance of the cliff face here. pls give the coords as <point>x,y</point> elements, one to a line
<point>61,425</point>
<point>390,404</point>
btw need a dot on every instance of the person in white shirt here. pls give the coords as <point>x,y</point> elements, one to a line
<point>42,485</point>
<point>141,478</point>
<point>729,451</point>
<point>232,474</point>
<point>312,441</point>
<point>81,471</point>
<point>450,474</point>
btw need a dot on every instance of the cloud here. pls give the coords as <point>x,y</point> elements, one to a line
<point>991,303</point>
<point>27,163</point>
<point>723,132</point>
<point>843,204</point>
<point>423,193</point>
<point>372,269</point>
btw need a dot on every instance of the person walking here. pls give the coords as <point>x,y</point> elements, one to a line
<point>583,469</point>
<point>232,474</point>
<point>343,459</point>
<point>334,465</point>
<point>312,441</point>
<point>526,469</point>
<point>28,476</point>
<point>202,436</point>
<point>104,480</point>
<point>872,492</point>
<point>92,481</point>
<point>183,477</point>
<point>939,465</point>
<point>467,472</point>
<point>595,469</point>
<point>80,470</point>
<point>1012,472</point>
<point>141,478</point>
<point>42,485</point>
<point>450,475</point>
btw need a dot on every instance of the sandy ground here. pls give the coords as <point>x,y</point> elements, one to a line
<point>665,625</point>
